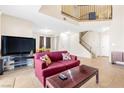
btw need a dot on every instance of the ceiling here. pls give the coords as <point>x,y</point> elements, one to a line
<point>43,21</point>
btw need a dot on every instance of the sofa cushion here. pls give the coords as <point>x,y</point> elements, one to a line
<point>70,63</point>
<point>38,54</point>
<point>46,59</point>
<point>55,56</point>
<point>66,56</point>
<point>53,68</point>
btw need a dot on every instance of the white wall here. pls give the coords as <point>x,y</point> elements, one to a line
<point>70,42</point>
<point>54,43</point>
<point>99,42</point>
<point>37,34</point>
<point>92,38</point>
<point>117,29</point>
<point>115,32</point>
<point>105,44</point>
<point>19,27</point>
<point>14,26</point>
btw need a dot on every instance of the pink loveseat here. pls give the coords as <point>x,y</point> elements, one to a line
<point>57,66</point>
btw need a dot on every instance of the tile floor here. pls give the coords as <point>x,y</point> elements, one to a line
<point>110,76</point>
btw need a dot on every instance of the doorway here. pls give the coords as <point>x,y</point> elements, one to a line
<point>45,42</point>
<point>48,42</point>
<point>41,42</point>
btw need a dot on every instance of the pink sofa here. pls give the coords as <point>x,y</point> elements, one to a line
<point>58,65</point>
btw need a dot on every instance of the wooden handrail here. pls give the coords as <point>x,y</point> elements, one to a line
<point>103,12</point>
<point>86,45</point>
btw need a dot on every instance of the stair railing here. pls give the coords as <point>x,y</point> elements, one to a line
<point>86,45</point>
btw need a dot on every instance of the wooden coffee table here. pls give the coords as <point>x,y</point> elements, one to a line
<point>77,76</point>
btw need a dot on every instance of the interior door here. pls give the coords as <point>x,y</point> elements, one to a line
<point>105,48</point>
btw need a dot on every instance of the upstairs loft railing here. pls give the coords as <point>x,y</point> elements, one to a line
<point>88,12</point>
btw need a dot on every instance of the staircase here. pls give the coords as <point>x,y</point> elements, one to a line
<point>86,45</point>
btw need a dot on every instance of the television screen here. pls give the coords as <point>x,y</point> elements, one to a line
<point>17,45</point>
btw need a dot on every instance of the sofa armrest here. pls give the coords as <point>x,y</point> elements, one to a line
<point>73,57</point>
<point>39,64</point>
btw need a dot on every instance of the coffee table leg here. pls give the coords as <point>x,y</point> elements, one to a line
<point>46,87</point>
<point>97,77</point>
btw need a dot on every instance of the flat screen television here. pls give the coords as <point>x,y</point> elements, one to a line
<point>11,45</point>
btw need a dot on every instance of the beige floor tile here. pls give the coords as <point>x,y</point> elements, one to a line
<point>109,76</point>
<point>9,83</point>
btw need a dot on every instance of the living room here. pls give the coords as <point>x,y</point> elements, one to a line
<point>55,34</point>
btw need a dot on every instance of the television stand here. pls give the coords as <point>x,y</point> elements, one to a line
<point>15,61</point>
<point>21,60</point>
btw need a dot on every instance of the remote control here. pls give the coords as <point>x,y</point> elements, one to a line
<point>63,77</point>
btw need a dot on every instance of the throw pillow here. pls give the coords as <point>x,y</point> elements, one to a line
<point>46,59</point>
<point>66,56</point>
